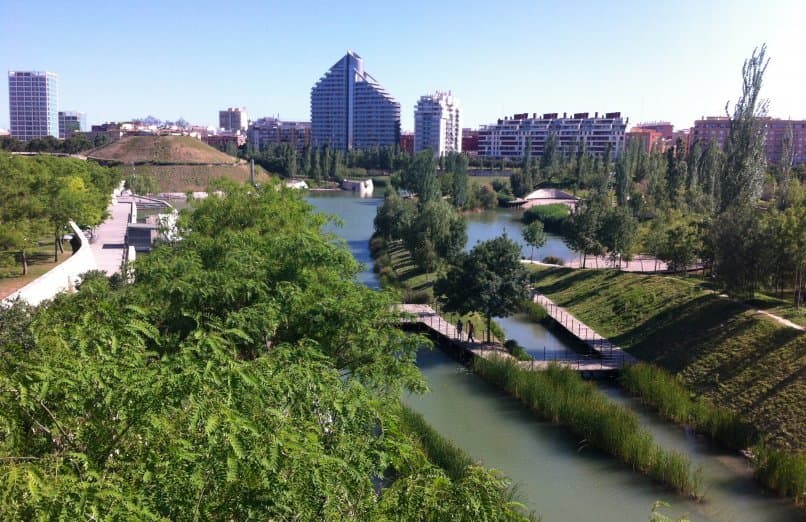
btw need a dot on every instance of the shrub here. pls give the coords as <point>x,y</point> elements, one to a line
<point>553,260</point>
<point>534,311</point>
<point>417,296</point>
<point>552,216</point>
<point>376,245</point>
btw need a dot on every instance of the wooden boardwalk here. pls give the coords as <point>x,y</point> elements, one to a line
<point>429,318</point>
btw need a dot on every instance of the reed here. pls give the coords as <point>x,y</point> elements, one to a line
<point>441,451</point>
<point>561,396</point>
<point>783,472</point>
<point>534,311</point>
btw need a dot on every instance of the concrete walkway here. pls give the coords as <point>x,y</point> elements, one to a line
<point>109,239</point>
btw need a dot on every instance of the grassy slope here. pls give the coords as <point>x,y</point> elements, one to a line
<point>181,178</point>
<point>161,149</point>
<point>720,348</point>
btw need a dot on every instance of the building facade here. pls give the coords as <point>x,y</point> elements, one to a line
<point>649,140</point>
<point>717,128</point>
<point>508,137</point>
<point>71,122</point>
<point>351,110</point>
<point>437,124</point>
<point>233,119</point>
<point>470,141</point>
<point>33,101</point>
<point>407,142</point>
<point>272,131</point>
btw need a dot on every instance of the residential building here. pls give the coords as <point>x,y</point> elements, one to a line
<point>407,142</point>
<point>651,140</point>
<point>71,122</point>
<point>233,119</point>
<point>717,128</point>
<point>508,137</point>
<point>437,124</point>
<point>273,131</point>
<point>33,104</point>
<point>351,110</point>
<point>470,141</point>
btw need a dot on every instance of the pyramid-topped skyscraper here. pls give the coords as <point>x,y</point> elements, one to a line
<point>351,110</point>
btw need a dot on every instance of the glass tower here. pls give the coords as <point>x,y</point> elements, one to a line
<point>33,104</point>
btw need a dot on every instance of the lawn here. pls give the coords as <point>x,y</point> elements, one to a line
<point>39,263</point>
<point>719,347</point>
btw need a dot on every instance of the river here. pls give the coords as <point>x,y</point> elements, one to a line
<point>558,477</point>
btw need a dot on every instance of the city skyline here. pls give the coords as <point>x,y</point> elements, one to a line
<point>675,63</point>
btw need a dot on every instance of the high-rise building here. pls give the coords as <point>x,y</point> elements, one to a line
<point>33,104</point>
<point>470,141</point>
<point>598,135</point>
<point>351,110</point>
<point>272,131</point>
<point>233,119</point>
<point>70,122</point>
<point>437,124</point>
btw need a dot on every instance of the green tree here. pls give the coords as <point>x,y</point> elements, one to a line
<point>618,234</point>
<point>745,160</point>
<point>420,177</point>
<point>490,279</point>
<point>535,236</point>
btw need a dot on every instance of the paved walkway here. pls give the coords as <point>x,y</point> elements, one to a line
<point>641,263</point>
<point>607,350</point>
<point>427,316</point>
<point>109,239</point>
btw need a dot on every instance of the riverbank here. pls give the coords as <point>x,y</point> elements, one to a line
<point>724,353</point>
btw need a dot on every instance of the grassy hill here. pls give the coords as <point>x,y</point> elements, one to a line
<point>161,149</point>
<point>177,163</point>
<point>720,348</point>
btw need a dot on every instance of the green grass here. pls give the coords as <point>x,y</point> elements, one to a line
<point>561,396</point>
<point>161,149</point>
<point>721,350</point>
<point>441,451</point>
<point>552,216</point>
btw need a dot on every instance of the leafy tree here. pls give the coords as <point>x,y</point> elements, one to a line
<point>785,169</point>
<point>581,231</point>
<point>490,279</point>
<point>745,160</point>
<point>535,236</point>
<point>420,177</point>
<point>618,234</point>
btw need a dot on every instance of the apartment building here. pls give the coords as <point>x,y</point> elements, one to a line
<point>717,128</point>
<point>233,119</point>
<point>351,110</point>
<point>508,137</point>
<point>33,101</point>
<point>273,131</point>
<point>437,124</point>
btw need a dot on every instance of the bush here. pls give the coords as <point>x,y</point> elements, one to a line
<point>376,244</point>
<point>417,296</point>
<point>517,351</point>
<point>552,216</point>
<point>534,311</point>
<point>553,260</point>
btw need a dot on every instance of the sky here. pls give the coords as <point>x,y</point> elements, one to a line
<point>673,61</point>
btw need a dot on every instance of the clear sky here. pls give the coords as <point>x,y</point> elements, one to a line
<point>675,61</point>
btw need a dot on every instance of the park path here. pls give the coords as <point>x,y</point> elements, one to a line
<point>109,238</point>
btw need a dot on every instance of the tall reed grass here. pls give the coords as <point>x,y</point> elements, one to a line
<point>561,396</point>
<point>779,470</point>
<point>439,450</point>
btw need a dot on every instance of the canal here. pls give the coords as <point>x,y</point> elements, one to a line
<point>558,476</point>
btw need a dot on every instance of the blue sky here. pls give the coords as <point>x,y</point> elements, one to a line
<point>671,61</point>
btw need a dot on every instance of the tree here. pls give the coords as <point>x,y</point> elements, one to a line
<point>460,183</point>
<point>535,236</point>
<point>785,168</point>
<point>581,230</point>
<point>490,279</point>
<point>420,177</point>
<point>745,160</point>
<point>618,234</point>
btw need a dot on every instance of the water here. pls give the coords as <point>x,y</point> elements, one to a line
<point>559,478</point>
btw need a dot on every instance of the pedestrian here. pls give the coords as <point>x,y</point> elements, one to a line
<point>470,331</point>
<point>459,328</point>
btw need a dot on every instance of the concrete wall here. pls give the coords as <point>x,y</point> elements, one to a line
<point>62,278</point>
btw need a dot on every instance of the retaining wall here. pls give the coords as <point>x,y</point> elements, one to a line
<point>63,277</point>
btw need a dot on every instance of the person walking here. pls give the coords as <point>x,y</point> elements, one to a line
<point>459,328</point>
<point>470,331</point>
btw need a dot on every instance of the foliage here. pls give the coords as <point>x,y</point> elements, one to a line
<point>534,236</point>
<point>244,374</point>
<point>552,216</point>
<point>561,396</point>
<point>784,473</point>
<point>490,279</point>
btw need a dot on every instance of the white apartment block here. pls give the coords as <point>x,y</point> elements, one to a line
<point>508,137</point>
<point>233,119</point>
<point>33,104</point>
<point>437,124</point>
